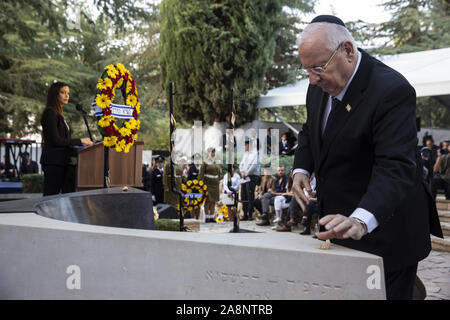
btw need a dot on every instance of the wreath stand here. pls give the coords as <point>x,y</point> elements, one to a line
<point>172,93</point>
<point>230,160</point>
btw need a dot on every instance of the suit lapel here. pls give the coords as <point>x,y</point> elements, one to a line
<point>318,122</point>
<point>347,107</point>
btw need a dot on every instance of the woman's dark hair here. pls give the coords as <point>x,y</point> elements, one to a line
<point>52,97</point>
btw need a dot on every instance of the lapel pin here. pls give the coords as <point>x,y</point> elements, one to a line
<point>348,108</point>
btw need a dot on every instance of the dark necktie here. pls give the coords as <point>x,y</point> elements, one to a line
<point>334,103</point>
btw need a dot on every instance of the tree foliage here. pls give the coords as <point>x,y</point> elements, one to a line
<point>208,48</point>
<point>284,67</point>
<point>418,25</point>
<point>39,46</point>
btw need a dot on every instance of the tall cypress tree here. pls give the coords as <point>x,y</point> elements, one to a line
<point>209,47</point>
<point>284,68</point>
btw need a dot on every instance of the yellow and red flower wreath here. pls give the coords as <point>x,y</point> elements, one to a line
<point>118,77</point>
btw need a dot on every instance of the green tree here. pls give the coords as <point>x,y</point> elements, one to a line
<point>37,47</point>
<point>284,68</point>
<point>418,25</point>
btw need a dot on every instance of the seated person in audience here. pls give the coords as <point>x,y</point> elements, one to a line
<point>311,208</point>
<point>6,171</point>
<point>269,196</point>
<point>285,145</point>
<point>284,201</point>
<point>267,182</point>
<point>441,169</point>
<point>27,165</point>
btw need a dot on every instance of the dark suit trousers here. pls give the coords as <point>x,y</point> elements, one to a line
<point>59,179</point>
<point>400,284</point>
<point>248,195</point>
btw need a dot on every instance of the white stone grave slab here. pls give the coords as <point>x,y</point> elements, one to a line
<point>43,258</point>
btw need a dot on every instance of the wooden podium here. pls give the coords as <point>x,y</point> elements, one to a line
<point>125,169</point>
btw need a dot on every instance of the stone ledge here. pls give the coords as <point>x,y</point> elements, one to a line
<point>440,244</point>
<point>444,216</point>
<point>446,228</point>
<point>18,196</point>
<point>193,224</point>
<point>443,204</point>
<point>120,263</point>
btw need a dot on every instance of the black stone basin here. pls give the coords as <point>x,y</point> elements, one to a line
<point>109,207</point>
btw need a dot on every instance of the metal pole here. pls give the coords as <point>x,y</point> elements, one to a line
<point>230,166</point>
<point>106,168</point>
<point>172,173</point>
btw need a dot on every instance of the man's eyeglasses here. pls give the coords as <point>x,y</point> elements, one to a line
<point>321,69</point>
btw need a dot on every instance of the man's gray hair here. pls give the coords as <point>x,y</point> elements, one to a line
<point>335,32</point>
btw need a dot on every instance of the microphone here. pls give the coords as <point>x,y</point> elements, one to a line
<point>80,108</point>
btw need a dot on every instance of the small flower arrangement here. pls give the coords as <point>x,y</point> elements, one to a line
<point>194,194</point>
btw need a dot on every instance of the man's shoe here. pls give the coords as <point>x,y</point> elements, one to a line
<point>277,219</point>
<point>263,222</point>
<point>305,232</point>
<point>283,228</point>
<point>304,222</point>
<point>244,218</point>
<point>292,222</point>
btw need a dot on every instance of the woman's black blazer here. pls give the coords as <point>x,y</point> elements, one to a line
<point>57,141</point>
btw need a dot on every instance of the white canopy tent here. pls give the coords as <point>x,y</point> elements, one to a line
<point>427,71</point>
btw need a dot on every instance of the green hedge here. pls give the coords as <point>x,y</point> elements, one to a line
<point>33,183</point>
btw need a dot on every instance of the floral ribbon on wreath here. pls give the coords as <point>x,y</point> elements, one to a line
<point>194,194</point>
<point>118,77</point>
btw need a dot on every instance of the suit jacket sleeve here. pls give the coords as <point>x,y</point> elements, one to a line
<point>52,136</point>
<point>394,172</point>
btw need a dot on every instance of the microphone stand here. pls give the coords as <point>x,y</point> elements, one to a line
<point>83,112</point>
<point>87,126</point>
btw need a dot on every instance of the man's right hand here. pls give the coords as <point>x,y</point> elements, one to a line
<point>301,181</point>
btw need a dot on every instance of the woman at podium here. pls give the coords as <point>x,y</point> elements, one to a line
<point>58,158</point>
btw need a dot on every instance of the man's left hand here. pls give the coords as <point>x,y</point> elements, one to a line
<point>341,227</point>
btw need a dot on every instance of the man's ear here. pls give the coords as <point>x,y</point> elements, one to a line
<point>350,50</point>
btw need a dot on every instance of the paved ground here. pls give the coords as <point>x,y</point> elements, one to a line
<point>434,271</point>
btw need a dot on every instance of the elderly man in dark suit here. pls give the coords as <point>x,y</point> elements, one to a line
<point>360,140</point>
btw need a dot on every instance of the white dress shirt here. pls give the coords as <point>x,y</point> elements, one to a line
<point>250,163</point>
<point>235,182</point>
